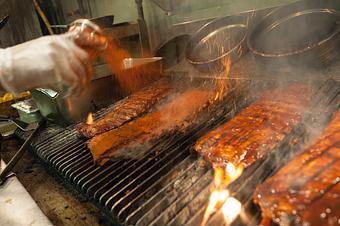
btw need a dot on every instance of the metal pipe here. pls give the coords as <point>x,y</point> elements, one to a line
<point>143,31</point>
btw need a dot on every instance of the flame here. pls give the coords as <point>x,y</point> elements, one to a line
<point>220,196</point>
<point>231,209</point>
<point>89,119</point>
<point>220,88</point>
<point>233,172</point>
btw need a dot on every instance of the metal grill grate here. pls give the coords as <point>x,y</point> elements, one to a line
<point>168,186</point>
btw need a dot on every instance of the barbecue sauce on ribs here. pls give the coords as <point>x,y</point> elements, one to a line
<point>127,109</point>
<point>129,139</point>
<point>257,129</point>
<point>306,191</point>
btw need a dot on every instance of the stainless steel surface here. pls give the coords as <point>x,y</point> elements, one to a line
<point>164,16</point>
<point>219,40</point>
<point>64,110</point>
<point>313,40</point>
<point>28,111</point>
<point>172,50</point>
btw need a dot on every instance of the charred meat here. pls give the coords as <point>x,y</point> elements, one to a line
<point>306,191</point>
<point>130,139</point>
<point>127,109</point>
<point>258,129</point>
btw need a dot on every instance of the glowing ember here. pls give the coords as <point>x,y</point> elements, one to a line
<point>89,119</point>
<point>220,197</point>
<point>231,209</point>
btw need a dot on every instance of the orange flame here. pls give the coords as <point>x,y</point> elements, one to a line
<point>220,196</point>
<point>89,119</point>
<point>221,83</point>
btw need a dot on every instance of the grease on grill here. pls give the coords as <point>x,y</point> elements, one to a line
<point>131,139</point>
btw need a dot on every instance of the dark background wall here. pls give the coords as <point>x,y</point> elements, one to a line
<point>23,24</point>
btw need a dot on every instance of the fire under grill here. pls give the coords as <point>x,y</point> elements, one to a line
<point>170,185</point>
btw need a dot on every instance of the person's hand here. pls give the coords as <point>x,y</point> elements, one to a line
<point>48,62</point>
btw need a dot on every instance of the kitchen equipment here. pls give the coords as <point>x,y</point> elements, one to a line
<point>7,128</point>
<point>169,185</point>
<point>7,125</point>
<point>297,35</point>
<point>137,62</point>
<point>28,111</point>
<point>172,50</point>
<point>218,40</point>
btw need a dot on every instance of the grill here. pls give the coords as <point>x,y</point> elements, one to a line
<point>170,185</point>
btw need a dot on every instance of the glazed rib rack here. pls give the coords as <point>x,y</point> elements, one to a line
<point>169,185</point>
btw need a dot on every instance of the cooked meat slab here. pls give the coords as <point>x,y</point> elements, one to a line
<point>130,108</point>
<point>258,129</point>
<point>306,191</point>
<point>129,139</point>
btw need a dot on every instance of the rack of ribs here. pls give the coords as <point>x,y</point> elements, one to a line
<point>127,109</point>
<point>132,138</point>
<point>258,128</point>
<point>307,190</point>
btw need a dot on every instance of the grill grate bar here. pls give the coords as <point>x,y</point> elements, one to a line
<point>98,176</point>
<point>60,152</point>
<point>118,202</point>
<point>141,171</point>
<point>77,169</point>
<point>171,210</point>
<point>133,169</point>
<point>70,157</point>
<point>196,205</point>
<point>163,182</point>
<point>76,164</point>
<point>57,140</point>
<point>170,191</point>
